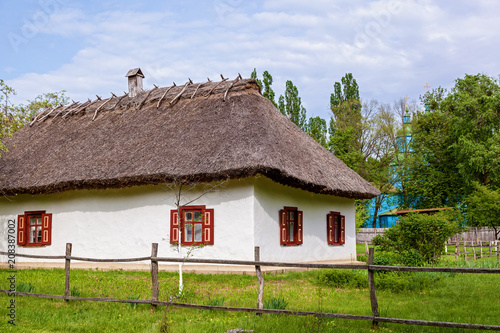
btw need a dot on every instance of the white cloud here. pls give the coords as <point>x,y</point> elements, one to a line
<point>391,47</point>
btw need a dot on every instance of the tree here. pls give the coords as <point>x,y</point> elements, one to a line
<point>316,128</point>
<point>456,143</point>
<point>265,84</point>
<point>361,135</point>
<point>9,120</point>
<point>13,117</point>
<point>184,195</point>
<point>482,208</point>
<point>290,105</point>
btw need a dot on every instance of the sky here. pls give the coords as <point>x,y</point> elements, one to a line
<point>393,48</point>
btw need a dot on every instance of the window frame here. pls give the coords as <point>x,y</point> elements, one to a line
<point>24,229</point>
<point>285,222</point>
<point>207,225</point>
<point>335,222</point>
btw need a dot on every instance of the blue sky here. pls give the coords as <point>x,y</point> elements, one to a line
<point>392,47</point>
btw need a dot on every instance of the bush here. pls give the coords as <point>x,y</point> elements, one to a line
<point>385,259</point>
<point>423,234</point>
<point>411,258</point>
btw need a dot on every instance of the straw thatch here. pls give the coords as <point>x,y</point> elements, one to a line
<point>187,133</point>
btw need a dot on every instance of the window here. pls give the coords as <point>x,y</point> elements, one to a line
<point>196,226</point>
<point>335,228</point>
<point>290,226</point>
<point>34,229</point>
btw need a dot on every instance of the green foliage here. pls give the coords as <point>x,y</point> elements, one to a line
<point>13,117</point>
<point>316,128</point>
<point>361,214</point>
<point>348,91</point>
<point>363,136</point>
<point>277,303</point>
<point>483,207</point>
<point>456,143</point>
<point>425,234</point>
<point>290,105</point>
<point>265,84</point>
<point>388,281</point>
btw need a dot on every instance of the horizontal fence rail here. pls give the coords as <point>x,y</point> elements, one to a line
<point>154,301</point>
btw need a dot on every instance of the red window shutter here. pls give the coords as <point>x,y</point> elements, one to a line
<point>329,228</point>
<point>299,228</point>
<point>46,229</point>
<point>283,227</point>
<point>342,229</point>
<point>174,226</point>
<point>208,227</point>
<point>21,230</point>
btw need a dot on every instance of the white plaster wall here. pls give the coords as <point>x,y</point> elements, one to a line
<point>270,197</point>
<point>122,223</point>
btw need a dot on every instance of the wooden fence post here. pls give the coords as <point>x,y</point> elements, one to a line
<point>456,250</point>
<point>154,276</point>
<point>366,248</point>
<point>260,295</point>
<point>371,285</point>
<point>66,271</point>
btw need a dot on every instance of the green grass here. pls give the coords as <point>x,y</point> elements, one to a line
<point>470,298</point>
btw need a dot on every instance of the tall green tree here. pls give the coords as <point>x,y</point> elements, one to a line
<point>265,84</point>
<point>456,143</point>
<point>361,135</point>
<point>483,208</point>
<point>317,129</point>
<point>290,105</point>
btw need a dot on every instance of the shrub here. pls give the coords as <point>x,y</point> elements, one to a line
<point>385,259</point>
<point>411,258</point>
<point>425,234</point>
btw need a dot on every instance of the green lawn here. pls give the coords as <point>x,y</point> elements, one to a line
<point>470,298</point>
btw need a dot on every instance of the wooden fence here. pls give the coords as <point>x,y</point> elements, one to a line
<point>154,301</point>
<point>475,234</point>
<point>475,250</point>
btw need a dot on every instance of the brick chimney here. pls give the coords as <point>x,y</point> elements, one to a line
<point>134,82</point>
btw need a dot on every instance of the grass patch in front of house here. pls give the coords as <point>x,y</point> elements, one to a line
<point>459,298</point>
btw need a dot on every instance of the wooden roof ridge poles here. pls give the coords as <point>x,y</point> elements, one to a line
<point>145,98</point>
<point>231,85</point>
<point>164,94</point>
<point>38,114</point>
<point>75,104</point>
<point>216,85</point>
<point>180,94</point>
<point>100,106</point>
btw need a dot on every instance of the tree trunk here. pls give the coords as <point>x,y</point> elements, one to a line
<point>375,214</point>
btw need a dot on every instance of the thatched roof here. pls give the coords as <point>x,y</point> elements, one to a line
<point>191,133</point>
